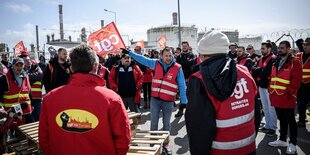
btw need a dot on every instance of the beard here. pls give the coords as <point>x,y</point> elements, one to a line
<point>282,54</point>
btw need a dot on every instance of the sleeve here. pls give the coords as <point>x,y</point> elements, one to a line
<point>43,129</point>
<point>3,87</point>
<point>112,80</point>
<point>296,77</point>
<point>120,126</point>
<point>143,60</point>
<point>139,78</point>
<point>200,119</point>
<point>182,86</point>
<point>37,75</point>
<point>106,77</point>
<point>248,64</point>
<point>47,79</point>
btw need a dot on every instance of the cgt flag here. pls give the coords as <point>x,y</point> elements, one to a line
<point>106,40</point>
<point>140,43</point>
<point>18,48</point>
<point>162,41</point>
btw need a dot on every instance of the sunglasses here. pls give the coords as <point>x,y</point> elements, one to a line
<point>248,48</point>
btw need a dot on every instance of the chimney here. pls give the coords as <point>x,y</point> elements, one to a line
<point>70,38</point>
<point>53,35</point>
<point>48,38</point>
<point>174,18</point>
<point>102,23</point>
<point>61,23</point>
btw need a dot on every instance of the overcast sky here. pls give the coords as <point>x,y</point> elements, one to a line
<point>134,17</point>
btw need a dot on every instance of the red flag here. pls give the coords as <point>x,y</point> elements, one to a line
<point>106,40</point>
<point>19,47</point>
<point>162,41</point>
<point>140,43</point>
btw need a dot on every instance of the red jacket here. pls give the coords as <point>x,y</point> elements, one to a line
<point>83,117</point>
<point>148,75</point>
<point>305,68</point>
<point>285,83</point>
<point>138,76</point>
<point>235,117</point>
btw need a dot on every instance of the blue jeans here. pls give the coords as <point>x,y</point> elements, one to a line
<point>166,107</point>
<point>269,111</point>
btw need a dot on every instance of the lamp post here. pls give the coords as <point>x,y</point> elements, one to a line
<point>111,12</point>
<point>179,22</point>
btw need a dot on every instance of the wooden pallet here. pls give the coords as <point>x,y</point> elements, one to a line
<point>148,142</point>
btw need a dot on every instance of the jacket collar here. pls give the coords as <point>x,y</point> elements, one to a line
<point>85,79</point>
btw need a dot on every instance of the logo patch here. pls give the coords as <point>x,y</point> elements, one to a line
<point>169,76</point>
<point>76,120</point>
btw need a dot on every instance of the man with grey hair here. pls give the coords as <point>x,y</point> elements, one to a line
<point>83,116</point>
<point>221,95</point>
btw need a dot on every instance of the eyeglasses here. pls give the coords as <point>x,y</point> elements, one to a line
<point>248,48</point>
<point>136,49</point>
<point>306,44</point>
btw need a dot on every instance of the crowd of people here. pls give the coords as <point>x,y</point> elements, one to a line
<point>222,90</point>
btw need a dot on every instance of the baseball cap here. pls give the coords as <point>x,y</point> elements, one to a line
<point>18,60</point>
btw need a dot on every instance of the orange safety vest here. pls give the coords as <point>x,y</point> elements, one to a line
<point>16,95</point>
<point>36,90</point>
<point>235,117</point>
<point>305,68</point>
<point>165,86</point>
<point>280,79</point>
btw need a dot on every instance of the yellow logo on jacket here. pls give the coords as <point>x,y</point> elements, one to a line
<point>76,120</point>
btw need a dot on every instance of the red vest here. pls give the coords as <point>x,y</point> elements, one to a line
<point>101,72</point>
<point>263,65</point>
<point>243,61</point>
<point>36,90</point>
<point>165,86</point>
<point>16,94</point>
<point>235,117</point>
<point>305,68</point>
<point>281,79</point>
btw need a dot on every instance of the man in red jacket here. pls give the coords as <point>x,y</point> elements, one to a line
<point>286,75</point>
<point>83,117</point>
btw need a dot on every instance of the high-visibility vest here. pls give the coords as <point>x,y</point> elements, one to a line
<point>305,68</point>
<point>280,79</point>
<point>235,132</point>
<point>36,90</point>
<point>165,86</point>
<point>16,94</point>
<point>262,64</point>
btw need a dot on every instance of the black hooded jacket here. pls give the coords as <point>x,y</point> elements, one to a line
<point>220,77</point>
<point>60,76</point>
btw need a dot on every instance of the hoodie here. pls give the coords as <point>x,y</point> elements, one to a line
<point>219,74</point>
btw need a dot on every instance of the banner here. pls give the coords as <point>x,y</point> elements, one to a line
<point>162,41</point>
<point>106,40</point>
<point>140,43</point>
<point>18,48</point>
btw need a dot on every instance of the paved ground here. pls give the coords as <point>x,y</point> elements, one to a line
<point>179,140</point>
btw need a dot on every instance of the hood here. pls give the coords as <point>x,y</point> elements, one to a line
<point>220,76</point>
<point>166,66</point>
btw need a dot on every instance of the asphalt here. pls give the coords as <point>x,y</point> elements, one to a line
<point>179,140</point>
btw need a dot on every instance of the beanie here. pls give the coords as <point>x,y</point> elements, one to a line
<point>213,42</point>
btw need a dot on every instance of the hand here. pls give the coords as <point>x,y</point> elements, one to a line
<point>11,114</point>
<point>124,51</point>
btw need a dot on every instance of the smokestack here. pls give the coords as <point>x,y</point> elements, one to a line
<point>174,18</point>
<point>102,23</point>
<point>70,38</point>
<point>53,39</point>
<point>61,23</point>
<point>37,36</point>
<point>48,38</point>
